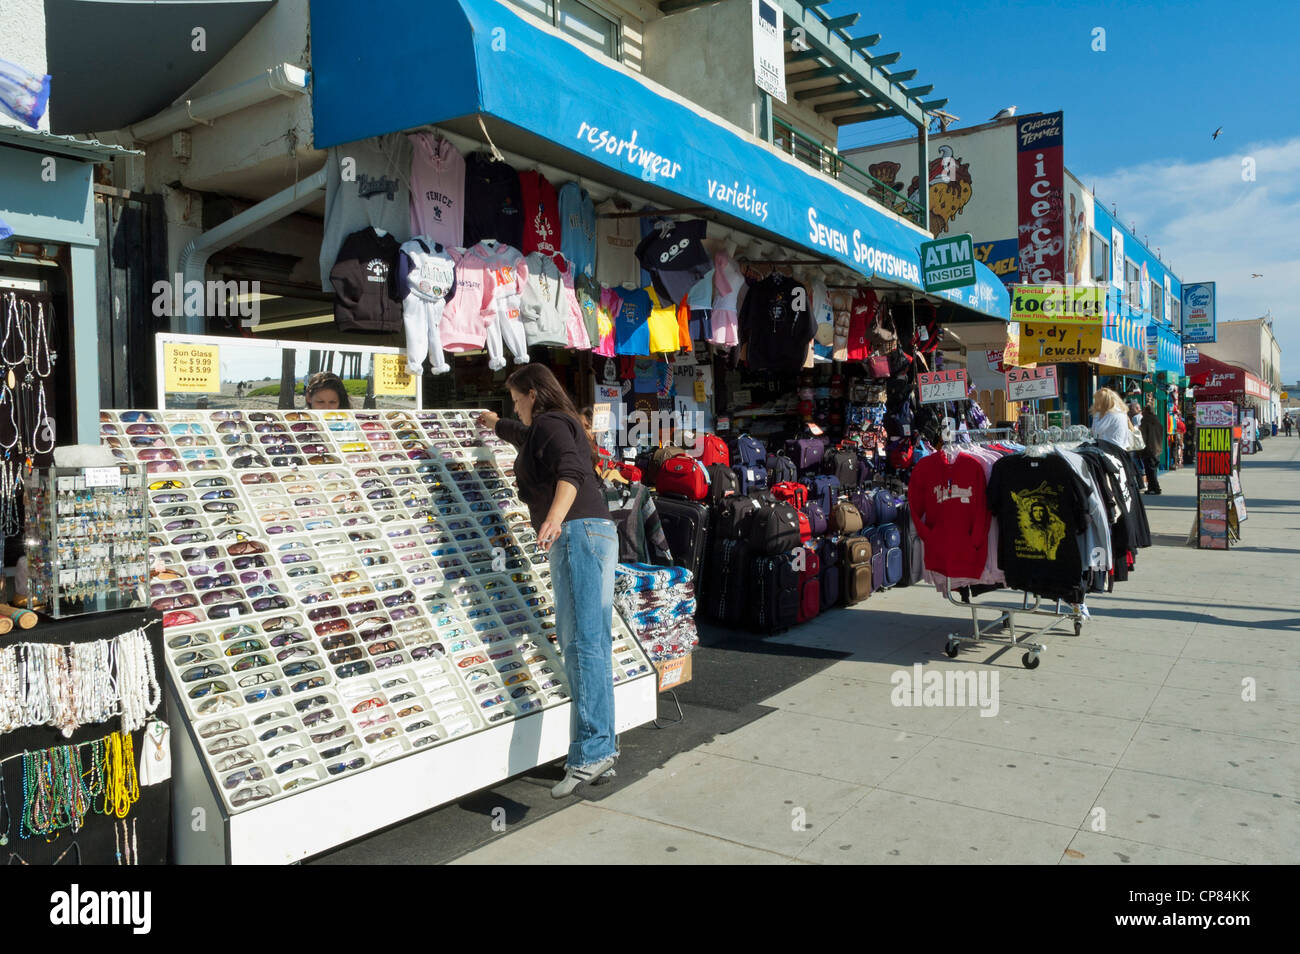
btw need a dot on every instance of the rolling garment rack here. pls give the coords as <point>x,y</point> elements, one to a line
<point>1002,627</point>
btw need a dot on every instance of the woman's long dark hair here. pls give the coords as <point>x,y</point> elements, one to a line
<point>550,396</point>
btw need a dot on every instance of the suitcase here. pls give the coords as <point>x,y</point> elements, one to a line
<point>746,451</point>
<point>774,529</point>
<point>876,538</point>
<point>855,562</point>
<point>816,518</point>
<point>781,469</point>
<point>865,501</point>
<point>806,452</point>
<point>684,477</point>
<point>731,521</point>
<point>826,490</point>
<point>775,596</point>
<point>686,525</point>
<point>887,507</point>
<point>713,450</point>
<point>892,543</point>
<point>805,526</point>
<point>845,518</point>
<point>828,555</point>
<point>722,484</point>
<point>913,549</point>
<point>810,598</point>
<point>796,495</point>
<point>750,477</point>
<point>730,573</point>
<point>842,463</point>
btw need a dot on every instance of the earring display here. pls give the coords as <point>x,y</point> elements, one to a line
<point>342,588</point>
<point>87,539</point>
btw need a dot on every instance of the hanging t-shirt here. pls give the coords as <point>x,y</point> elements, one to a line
<point>631,329</point>
<point>824,337</point>
<point>541,214</point>
<point>841,304</point>
<point>578,228</point>
<point>861,314</point>
<point>437,190</point>
<point>607,309</point>
<point>662,324</point>
<point>587,290</point>
<point>674,254</point>
<point>1041,508</point>
<point>699,304</point>
<point>493,204</point>
<point>616,242</point>
<point>376,195</point>
<point>946,501</point>
<point>776,324</point>
<point>728,280</point>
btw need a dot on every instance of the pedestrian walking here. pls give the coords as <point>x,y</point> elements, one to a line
<point>1109,422</point>
<point>1286,426</point>
<point>1153,433</point>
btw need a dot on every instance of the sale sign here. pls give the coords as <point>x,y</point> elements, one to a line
<point>939,386</point>
<point>193,369</point>
<point>1040,177</point>
<point>1032,384</point>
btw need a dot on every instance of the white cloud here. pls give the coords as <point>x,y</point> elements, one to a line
<point>1211,225</point>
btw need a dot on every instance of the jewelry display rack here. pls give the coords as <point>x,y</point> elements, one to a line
<point>87,541</point>
<point>359,624</point>
<point>98,838</point>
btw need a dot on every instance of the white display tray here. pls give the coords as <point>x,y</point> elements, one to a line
<point>318,819</point>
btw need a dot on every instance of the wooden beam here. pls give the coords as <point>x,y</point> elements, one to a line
<point>841,23</point>
<point>851,103</point>
<point>935,104</point>
<point>804,55</point>
<point>916,92</point>
<point>826,90</point>
<point>820,72</point>
<point>900,76</point>
<point>885,59</point>
<point>865,116</point>
<point>862,42</point>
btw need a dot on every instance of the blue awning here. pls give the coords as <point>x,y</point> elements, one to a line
<point>424,63</point>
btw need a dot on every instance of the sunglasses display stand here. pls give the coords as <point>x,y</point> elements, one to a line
<point>356,632</point>
<point>87,539</point>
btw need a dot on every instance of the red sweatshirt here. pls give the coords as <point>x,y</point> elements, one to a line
<point>947,503</point>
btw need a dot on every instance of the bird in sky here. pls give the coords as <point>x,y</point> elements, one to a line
<point>1215,134</point>
<point>1006,113</point>
<point>1256,275</point>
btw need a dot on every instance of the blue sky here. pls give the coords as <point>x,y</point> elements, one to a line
<point>1138,119</point>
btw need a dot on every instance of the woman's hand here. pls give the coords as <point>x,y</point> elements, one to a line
<point>488,420</point>
<point>548,533</point>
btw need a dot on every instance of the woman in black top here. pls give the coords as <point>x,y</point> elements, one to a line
<point>556,473</point>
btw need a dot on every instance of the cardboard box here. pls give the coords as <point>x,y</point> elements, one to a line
<point>673,672</point>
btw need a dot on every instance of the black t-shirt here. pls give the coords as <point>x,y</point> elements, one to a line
<point>1040,504</point>
<point>493,202</point>
<point>552,449</point>
<point>777,324</point>
<point>675,257</point>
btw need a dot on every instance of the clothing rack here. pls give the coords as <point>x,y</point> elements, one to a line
<point>1002,628</point>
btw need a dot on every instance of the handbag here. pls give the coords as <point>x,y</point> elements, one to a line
<point>878,366</point>
<point>1136,442</point>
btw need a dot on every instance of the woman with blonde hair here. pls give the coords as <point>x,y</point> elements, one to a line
<point>1109,420</point>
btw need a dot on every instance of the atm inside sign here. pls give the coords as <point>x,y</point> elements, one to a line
<point>948,263</point>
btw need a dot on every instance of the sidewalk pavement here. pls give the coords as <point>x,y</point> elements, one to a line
<point>1130,744</point>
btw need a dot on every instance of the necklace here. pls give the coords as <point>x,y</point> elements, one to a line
<point>6,816</point>
<point>12,322</point>
<point>43,335</point>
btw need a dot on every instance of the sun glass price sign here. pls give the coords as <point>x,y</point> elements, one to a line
<point>1032,384</point>
<point>192,369</point>
<point>939,386</point>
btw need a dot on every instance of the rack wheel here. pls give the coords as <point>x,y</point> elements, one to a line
<point>952,648</point>
<point>1006,625</point>
<point>1078,627</point>
<point>1030,660</point>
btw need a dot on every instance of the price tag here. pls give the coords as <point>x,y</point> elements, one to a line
<point>391,378</point>
<point>600,418</point>
<point>102,477</point>
<point>700,394</point>
<point>723,424</point>
<point>193,369</point>
<point>814,430</point>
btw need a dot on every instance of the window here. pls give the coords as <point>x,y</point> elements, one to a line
<point>1157,301</point>
<point>1100,259</point>
<point>578,19</point>
<point>1175,313</point>
<point>1132,284</point>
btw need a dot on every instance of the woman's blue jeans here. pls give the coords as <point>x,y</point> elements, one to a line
<point>583,559</point>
